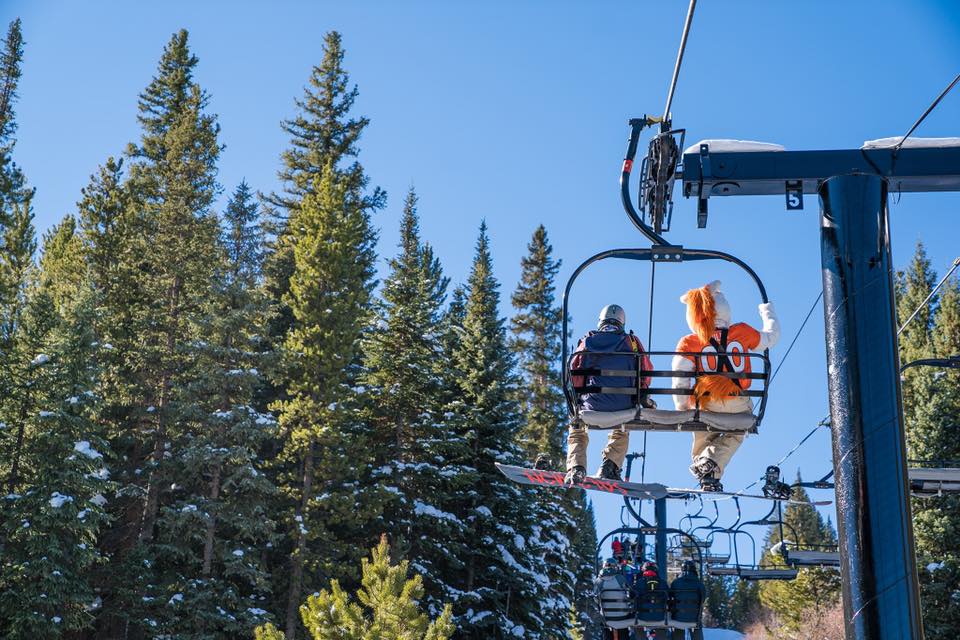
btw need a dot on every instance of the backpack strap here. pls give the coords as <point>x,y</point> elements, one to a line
<point>723,361</point>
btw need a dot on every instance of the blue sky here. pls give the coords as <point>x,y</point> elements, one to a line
<point>515,112</point>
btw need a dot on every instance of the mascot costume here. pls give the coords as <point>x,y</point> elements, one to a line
<point>709,319</point>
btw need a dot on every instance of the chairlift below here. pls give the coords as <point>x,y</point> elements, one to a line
<point>933,482</point>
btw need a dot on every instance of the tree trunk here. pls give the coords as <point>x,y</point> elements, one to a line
<point>211,521</point>
<point>18,448</point>
<point>152,503</point>
<point>296,560</point>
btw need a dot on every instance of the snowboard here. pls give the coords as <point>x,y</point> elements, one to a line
<point>726,495</point>
<point>543,478</point>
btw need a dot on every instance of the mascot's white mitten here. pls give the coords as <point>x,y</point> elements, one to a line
<point>770,334</point>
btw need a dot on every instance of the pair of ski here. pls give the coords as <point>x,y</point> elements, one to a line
<point>646,491</point>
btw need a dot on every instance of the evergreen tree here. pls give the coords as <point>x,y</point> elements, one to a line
<point>491,559</point>
<point>14,193</point>
<point>151,303</point>
<point>931,403</point>
<point>588,620</point>
<point>536,343</point>
<point>323,134</point>
<point>56,486</point>
<point>815,590</point>
<point>403,372</point>
<point>216,526</point>
<point>390,607</point>
<point>329,298</point>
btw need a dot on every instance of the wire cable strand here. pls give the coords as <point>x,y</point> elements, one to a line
<point>956,263</point>
<point>925,113</point>
<point>676,67</point>
<point>794,341</point>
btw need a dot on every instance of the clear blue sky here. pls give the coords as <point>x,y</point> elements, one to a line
<point>516,113</point>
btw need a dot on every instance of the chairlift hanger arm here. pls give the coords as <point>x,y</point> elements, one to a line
<point>636,126</point>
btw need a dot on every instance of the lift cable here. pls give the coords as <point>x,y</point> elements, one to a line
<point>676,67</point>
<point>916,124</point>
<point>825,422</point>
<point>956,263</point>
<point>794,341</point>
<point>653,281</point>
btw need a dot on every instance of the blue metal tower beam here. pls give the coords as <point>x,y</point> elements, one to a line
<point>746,173</point>
<point>881,594</point>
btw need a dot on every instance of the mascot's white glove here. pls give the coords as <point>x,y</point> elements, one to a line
<point>770,334</point>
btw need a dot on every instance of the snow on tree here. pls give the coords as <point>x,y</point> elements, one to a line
<point>329,298</point>
<point>403,377</point>
<point>491,562</point>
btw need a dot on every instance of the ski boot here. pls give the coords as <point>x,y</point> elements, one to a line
<point>707,472</point>
<point>609,470</point>
<point>575,475</point>
<point>773,487</point>
<point>543,462</point>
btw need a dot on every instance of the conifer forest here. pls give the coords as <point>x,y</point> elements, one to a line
<point>225,421</point>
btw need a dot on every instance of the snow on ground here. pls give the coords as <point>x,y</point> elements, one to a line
<point>722,634</point>
<point>724,145</point>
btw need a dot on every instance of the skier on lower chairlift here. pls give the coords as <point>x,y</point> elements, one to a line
<point>709,319</point>
<point>598,349</point>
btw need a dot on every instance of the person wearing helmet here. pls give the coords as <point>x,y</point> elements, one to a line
<point>687,595</point>
<point>615,599</point>
<point>609,347</point>
<point>652,595</point>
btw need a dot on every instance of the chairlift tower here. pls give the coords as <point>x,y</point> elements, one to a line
<point>877,560</point>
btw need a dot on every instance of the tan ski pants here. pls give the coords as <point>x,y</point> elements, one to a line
<point>720,447</point>
<point>578,437</point>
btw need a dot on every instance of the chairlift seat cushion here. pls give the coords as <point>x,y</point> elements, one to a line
<point>651,622</point>
<point>729,421</point>
<point>814,558</point>
<point>607,419</point>
<point>665,416</point>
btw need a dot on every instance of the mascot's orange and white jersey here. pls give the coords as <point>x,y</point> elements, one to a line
<point>709,319</point>
<point>741,338</point>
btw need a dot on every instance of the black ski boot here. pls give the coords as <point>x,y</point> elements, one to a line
<point>773,487</point>
<point>575,475</point>
<point>543,462</point>
<point>707,472</point>
<point>609,471</point>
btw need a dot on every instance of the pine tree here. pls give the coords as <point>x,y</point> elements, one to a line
<point>536,343</point>
<point>323,134</point>
<point>403,372</point>
<point>14,193</point>
<point>492,559</point>
<point>588,620</point>
<point>815,590</point>
<point>931,410</point>
<point>216,526</point>
<point>18,344</point>
<point>329,297</point>
<point>388,607</point>
<point>151,301</point>
<point>53,511</point>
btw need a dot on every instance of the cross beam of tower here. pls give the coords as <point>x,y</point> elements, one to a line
<point>881,594</point>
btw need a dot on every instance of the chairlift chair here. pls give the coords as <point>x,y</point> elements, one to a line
<point>642,418</point>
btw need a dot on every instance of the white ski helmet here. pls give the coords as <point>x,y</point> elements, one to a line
<point>612,313</point>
